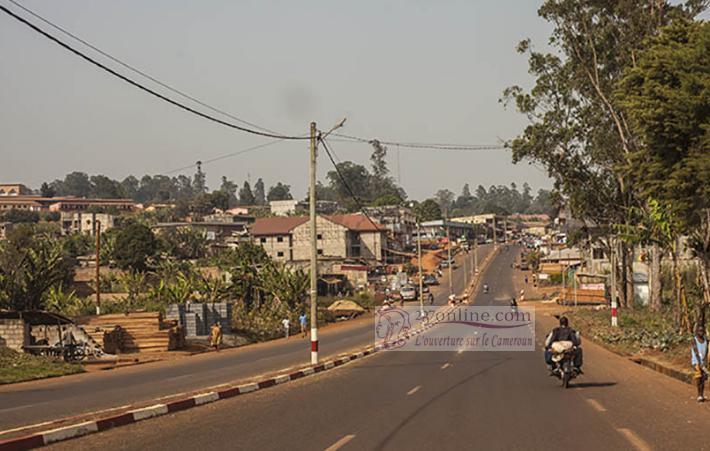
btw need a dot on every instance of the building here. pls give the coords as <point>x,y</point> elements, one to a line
<point>14,189</point>
<point>283,207</point>
<point>66,204</point>
<point>217,231</point>
<point>437,229</point>
<point>85,223</point>
<point>339,237</point>
<point>399,221</point>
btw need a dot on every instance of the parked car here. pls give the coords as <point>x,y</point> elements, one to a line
<point>430,279</point>
<point>408,293</point>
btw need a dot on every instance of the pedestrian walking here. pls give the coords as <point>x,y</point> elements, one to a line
<point>302,321</point>
<point>431,298</point>
<point>287,325</point>
<point>216,336</point>
<point>526,280</point>
<point>699,359</point>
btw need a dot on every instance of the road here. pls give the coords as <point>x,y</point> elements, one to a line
<point>442,400</point>
<point>39,401</point>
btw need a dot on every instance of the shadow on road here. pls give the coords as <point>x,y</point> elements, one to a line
<point>592,384</point>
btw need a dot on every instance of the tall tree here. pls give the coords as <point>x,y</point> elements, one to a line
<point>280,191</point>
<point>259,192</point>
<point>246,197</point>
<point>199,182</point>
<point>229,188</point>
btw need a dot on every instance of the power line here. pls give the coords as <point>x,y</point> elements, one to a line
<point>352,194</point>
<point>136,70</point>
<point>140,86</point>
<point>233,154</point>
<point>420,145</point>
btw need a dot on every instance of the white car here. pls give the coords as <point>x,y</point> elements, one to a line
<point>408,293</point>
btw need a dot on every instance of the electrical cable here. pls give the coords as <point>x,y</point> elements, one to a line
<point>140,86</point>
<point>136,70</point>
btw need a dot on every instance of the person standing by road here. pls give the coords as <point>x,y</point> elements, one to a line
<point>287,325</point>
<point>699,359</point>
<point>216,336</point>
<point>302,321</point>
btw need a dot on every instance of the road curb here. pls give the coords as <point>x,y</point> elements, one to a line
<point>211,395</point>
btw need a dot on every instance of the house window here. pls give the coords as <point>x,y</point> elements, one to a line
<point>319,236</point>
<point>279,254</point>
<point>320,251</point>
<point>263,240</point>
<point>280,239</point>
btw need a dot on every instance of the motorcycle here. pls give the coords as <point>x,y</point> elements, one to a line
<point>563,362</point>
<point>485,288</point>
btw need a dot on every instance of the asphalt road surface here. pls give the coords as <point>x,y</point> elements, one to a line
<point>442,400</point>
<point>39,401</point>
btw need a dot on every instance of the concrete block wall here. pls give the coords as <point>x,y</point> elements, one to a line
<point>197,318</point>
<point>13,333</point>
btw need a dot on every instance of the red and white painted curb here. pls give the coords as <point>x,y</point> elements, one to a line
<point>133,416</point>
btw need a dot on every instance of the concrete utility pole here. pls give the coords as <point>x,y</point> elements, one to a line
<point>495,232</point>
<point>465,271</point>
<point>475,252</point>
<point>612,259</point>
<point>314,249</point>
<point>419,263</point>
<point>451,264</point>
<point>97,226</point>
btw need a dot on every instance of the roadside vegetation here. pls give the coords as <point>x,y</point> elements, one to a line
<point>17,367</point>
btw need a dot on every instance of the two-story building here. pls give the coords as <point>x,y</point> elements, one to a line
<point>339,237</point>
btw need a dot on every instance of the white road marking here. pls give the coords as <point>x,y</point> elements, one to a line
<point>634,439</point>
<point>445,365</point>
<point>340,443</point>
<point>414,390</point>
<point>596,405</point>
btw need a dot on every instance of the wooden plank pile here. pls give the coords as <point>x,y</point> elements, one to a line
<point>142,331</point>
<point>567,296</point>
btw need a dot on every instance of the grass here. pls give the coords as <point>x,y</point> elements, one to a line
<point>640,331</point>
<point>17,367</point>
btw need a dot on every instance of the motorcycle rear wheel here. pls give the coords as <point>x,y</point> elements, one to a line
<point>565,379</point>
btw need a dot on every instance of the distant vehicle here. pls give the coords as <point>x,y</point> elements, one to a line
<point>408,293</point>
<point>430,279</point>
<point>444,264</point>
<point>489,241</point>
<point>523,265</point>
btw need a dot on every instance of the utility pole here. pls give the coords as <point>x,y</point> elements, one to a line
<point>451,264</point>
<point>314,249</point>
<point>419,263</point>
<point>475,251</point>
<point>465,270</point>
<point>614,306</point>
<point>495,232</point>
<point>97,227</point>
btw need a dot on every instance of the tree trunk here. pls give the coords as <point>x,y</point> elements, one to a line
<point>629,270</point>
<point>682,315</point>
<point>623,273</point>
<point>654,276</point>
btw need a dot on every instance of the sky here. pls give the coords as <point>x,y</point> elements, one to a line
<point>414,71</point>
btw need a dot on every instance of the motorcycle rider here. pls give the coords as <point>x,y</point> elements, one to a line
<point>485,288</point>
<point>564,333</point>
<point>513,304</point>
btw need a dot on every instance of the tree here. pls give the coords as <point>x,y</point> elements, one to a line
<point>199,181</point>
<point>75,184</point>
<point>280,191</point>
<point>246,197</point>
<point>130,186</point>
<point>259,192</point>
<point>349,177</point>
<point>135,244</point>
<point>46,190</point>
<point>577,130</point>
<point>666,97</point>
<point>445,199</point>
<point>20,216</point>
<point>103,187</point>
<point>428,210</point>
<point>230,189</point>
<point>220,199</point>
<point>31,263</point>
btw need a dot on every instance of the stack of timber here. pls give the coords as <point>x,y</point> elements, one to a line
<point>139,332</point>
<point>567,296</point>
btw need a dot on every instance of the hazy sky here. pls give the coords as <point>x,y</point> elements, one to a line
<point>427,71</point>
